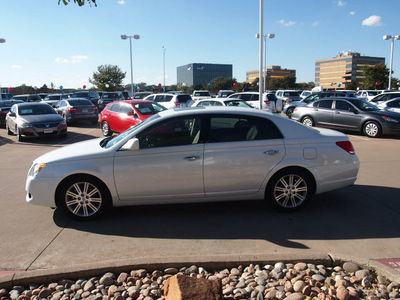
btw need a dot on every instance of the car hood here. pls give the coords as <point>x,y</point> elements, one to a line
<point>41,118</point>
<point>89,149</point>
<point>379,113</point>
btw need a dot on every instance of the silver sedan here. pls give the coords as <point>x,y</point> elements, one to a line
<point>200,154</point>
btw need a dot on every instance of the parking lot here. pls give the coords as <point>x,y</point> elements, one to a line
<point>360,220</point>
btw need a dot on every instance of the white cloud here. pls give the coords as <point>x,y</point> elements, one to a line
<point>373,21</point>
<point>341,3</point>
<point>16,67</point>
<point>286,24</point>
<point>122,2</point>
<point>315,24</point>
<point>72,60</point>
<point>352,13</point>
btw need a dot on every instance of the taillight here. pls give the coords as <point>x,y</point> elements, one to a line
<point>177,104</point>
<point>267,102</point>
<point>94,108</point>
<point>346,146</point>
<point>72,109</point>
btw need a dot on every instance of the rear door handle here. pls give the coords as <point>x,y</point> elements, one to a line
<point>271,152</point>
<point>192,157</point>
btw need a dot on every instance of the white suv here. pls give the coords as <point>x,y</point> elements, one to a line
<point>171,100</point>
<point>200,94</point>
<point>270,101</point>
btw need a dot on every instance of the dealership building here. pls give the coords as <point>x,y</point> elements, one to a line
<point>198,74</point>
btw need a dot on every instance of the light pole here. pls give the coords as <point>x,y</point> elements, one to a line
<point>261,79</point>
<point>136,37</point>
<point>391,37</point>
<point>1,42</point>
<point>164,65</point>
<point>269,36</point>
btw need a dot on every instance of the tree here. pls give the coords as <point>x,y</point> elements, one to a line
<point>108,78</point>
<point>373,75</point>
<point>80,2</point>
<point>221,83</point>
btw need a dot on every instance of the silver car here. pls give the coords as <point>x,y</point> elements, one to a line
<point>200,154</point>
<point>34,119</point>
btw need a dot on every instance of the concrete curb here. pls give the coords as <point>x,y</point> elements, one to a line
<point>213,262</point>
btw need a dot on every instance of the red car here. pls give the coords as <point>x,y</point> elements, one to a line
<point>118,116</point>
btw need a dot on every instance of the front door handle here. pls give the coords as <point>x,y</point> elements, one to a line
<point>192,157</point>
<point>271,152</point>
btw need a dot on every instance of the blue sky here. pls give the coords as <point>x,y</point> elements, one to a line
<point>50,43</point>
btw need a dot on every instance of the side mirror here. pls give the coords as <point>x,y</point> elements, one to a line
<point>10,114</point>
<point>131,113</point>
<point>131,145</point>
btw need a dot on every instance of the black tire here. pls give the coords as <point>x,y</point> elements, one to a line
<point>9,132</point>
<point>290,190</point>
<point>105,129</point>
<point>372,129</point>
<point>18,133</point>
<point>289,112</point>
<point>83,197</point>
<point>308,121</point>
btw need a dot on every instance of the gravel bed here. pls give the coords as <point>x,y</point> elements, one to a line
<point>280,281</point>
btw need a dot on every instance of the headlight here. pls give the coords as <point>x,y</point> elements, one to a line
<point>25,125</point>
<point>390,120</point>
<point>35,169</point>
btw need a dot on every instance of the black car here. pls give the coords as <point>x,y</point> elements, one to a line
<point>108,97</point>
<point>348,114</point>
<point>5,106</point>
<point>77,109</point>
<point>93,96</point>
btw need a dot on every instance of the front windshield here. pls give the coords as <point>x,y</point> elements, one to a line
<point>202,94</point>
<point>147,108</point>
<point>364,105</point>
<point>111,141</point>
<point>35,110</point>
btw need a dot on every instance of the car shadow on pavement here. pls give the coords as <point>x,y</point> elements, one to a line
<point>355,212</point>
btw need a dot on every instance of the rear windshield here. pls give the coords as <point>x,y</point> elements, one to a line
<point>80,103</point>
<point>110,95</point>
<point>202,94</point>
<point>293,94</point>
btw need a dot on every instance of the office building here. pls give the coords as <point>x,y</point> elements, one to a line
<point>197,74</point>
<point>272,72</point>
<point>335,73</point>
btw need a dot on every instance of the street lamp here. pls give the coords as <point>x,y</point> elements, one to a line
<point>391,37</point>
<point>1,41</point>
<point>136,37</point>
<point>269,36</point>
<point>164,65</point>
<point>261,77</point>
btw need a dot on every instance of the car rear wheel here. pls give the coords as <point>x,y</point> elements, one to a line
<point>290,190</point>
<point>308,121</point>
<point>289,112</point>
<point>105,128</point>
<point>372,129</point>
<point>83,197</point>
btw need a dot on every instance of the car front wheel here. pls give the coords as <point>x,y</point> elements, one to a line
<point>9,132</point>
<point>83,197</point>
<point>290,190</point>
<point>289,112</point>
<point>372,129</point>
<point>105,128</point>
<point>18,133</point>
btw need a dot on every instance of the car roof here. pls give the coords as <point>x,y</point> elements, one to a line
<point>31,103</point>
